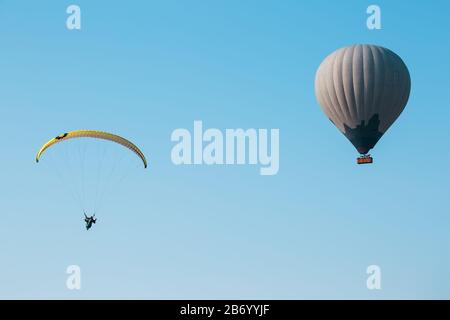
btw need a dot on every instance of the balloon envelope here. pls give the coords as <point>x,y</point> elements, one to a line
<point>362,89</point>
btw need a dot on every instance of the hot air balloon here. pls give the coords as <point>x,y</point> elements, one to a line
<point>363,89</point>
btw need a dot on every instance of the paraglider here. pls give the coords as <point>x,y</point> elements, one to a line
<point>92,183</point>
<point>363,89</point>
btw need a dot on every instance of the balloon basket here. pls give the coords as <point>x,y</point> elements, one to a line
<point>364,159</point>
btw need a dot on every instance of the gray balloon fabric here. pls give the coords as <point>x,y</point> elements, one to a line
<point>363,89</point>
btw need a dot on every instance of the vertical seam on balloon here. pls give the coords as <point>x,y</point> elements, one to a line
<point>365,93</point>
<point>407,89</point>
<point>338,75</point>
<point>349,116</point>
<point>401,99</point>
<point>381,101</point>
<point>322,93</point>
<point>393,112</point>
<point>387,109</point>
<point>332,101</point>
<point>358,89</point>
<point>349,113</point>
<point>371,110</point>
<point>354,106</point>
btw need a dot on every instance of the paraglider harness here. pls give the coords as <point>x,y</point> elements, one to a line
<point>89,220</point>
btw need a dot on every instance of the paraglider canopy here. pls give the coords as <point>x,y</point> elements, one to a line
<point>93,134</point>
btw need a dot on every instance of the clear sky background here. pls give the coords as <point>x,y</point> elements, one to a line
<point>145,68</point>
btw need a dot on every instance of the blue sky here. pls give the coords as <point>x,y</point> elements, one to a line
<point>145,68</point>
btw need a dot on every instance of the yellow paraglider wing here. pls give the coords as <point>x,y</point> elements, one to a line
<point>93,134</point>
